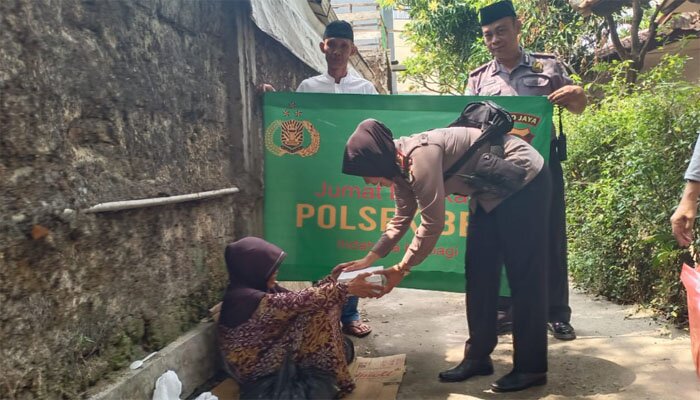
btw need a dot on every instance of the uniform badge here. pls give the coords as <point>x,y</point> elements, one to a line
<point>405,164</point>
<point>537,67</point>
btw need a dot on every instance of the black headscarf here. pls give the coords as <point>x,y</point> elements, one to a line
<point>250,262</point>
<point>370,151</point>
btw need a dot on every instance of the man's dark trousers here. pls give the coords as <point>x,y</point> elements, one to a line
<point>515,234</point>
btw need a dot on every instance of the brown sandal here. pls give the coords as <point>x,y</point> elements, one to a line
<point>357,329</point>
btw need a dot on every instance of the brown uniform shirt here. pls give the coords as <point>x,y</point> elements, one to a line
<point>537,75</point>
<point>432,153</point>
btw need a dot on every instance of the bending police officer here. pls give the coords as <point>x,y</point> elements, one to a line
<point>499,233</point>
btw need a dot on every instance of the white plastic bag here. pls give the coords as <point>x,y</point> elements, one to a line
<point>168,387</point>
<point>206,396</point>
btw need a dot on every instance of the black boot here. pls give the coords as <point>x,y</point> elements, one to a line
<point>466,369</point>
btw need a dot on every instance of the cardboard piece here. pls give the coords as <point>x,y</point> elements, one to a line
<point>226,390</point>
<point>376,378</point>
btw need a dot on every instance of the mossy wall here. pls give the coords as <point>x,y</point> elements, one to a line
<point>119,100</point>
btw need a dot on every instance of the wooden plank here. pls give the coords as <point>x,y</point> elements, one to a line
<point>365,25</point>
<point>364,49</point>
<point>364,35</point>
<point>359,16</point>
<point>343,5</point>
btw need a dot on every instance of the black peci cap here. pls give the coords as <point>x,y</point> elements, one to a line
<point>339,29</point>
<point>496,11</point>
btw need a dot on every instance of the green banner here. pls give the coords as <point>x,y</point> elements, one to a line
<point>321,217</point>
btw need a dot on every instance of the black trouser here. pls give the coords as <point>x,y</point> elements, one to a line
<point>515,234</point>
<point>558,270</point>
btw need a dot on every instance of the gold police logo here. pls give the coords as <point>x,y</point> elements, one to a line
<point>537,67</point>
<point>292,137</point>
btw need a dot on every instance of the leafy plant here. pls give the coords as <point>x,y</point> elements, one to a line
<point>444,36</point>
<point>627,157</point>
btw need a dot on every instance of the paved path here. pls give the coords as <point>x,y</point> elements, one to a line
<point>620,353</point>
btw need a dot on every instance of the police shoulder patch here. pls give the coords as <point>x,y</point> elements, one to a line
<point>480,69</point>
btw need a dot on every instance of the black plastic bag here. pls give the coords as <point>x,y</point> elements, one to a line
<point>496,176</point>
<point>292,381</point>
<point>349,350</point>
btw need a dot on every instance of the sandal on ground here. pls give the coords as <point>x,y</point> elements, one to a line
<point>357,329</point>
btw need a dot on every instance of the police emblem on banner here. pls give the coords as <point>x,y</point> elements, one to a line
<point>294,136</point>
<point>525,132</point>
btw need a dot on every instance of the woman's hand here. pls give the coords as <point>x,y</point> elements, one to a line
<point>335,273</point>
<point>361,288</point>
<point>394,276</point>
<point>362,263</point>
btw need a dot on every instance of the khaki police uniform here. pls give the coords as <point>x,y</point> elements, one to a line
<point>537,74</point>
<point>510,231</point>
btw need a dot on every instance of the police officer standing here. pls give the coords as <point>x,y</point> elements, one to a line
<point>516,72</point>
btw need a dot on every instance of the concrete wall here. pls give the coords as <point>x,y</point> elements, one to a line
<point>119,100</point>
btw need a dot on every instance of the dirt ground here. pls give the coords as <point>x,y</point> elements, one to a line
<point>620,352</point>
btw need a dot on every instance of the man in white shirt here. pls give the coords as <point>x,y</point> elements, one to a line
<point>338,45</point>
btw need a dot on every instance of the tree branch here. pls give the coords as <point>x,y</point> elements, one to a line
<point>653,26</point>
<point>619,48</point>
<point>422,81</point>
<point>637,14</point>
<point>453,89</point>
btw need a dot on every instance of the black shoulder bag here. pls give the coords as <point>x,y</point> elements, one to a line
<point>483,166</point>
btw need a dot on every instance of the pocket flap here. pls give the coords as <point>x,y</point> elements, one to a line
<point>536,81</point>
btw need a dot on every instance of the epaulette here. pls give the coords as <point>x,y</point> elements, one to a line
<point>544,55</point>
<point>480,69</point>
<point>557,59</point>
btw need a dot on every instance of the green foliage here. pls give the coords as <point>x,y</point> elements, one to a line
<point>443,35</point>
<point>627,156</point>
<point>446,38</point>
<point>554,27</point>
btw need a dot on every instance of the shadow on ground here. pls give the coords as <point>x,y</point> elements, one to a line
<point>614,356</point>
<point>609,378</point>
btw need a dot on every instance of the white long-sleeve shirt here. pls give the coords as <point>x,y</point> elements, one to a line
<point>326,84</point>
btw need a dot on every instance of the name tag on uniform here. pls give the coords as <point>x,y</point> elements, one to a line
<point>537,80</point>
<point>490,88</point>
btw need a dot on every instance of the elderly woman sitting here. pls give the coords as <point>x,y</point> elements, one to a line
<point>261,322</point>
